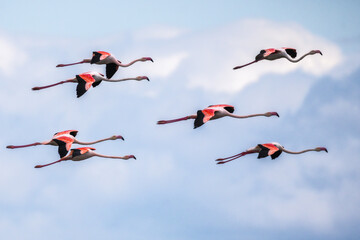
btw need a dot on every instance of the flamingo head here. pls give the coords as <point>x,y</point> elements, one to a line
<point>139,78</point>
<point>318,149</point>
<point>269,114</point>
<point>129,156</point>
<point>312,52</point>
<point>144,59</point>
<point>117,137</point>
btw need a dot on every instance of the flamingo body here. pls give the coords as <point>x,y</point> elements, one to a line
<point>212,112</point>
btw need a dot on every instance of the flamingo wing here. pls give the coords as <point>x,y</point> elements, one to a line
<point>227,107</point>
<point>270,51</point>
<point>85,81</point>
<point>111,69</point>
<point>64,144</point>
<point>203,116</point>
<point>291,52</point>
<point>269,149</point>
<point>99,56</point>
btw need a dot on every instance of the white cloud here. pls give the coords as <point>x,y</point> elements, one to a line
<point>214,54</point>
<point>12,57</point>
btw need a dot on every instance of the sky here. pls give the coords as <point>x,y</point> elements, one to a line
<point>174,190</point>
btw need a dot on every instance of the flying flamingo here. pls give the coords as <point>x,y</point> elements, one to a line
<point>64,140</point>
<point>88,79</point>
<point>112,64</point>
<point>214,112</point>
<point>273,54</point>
<point>268,149</point>
<point>78,154</point>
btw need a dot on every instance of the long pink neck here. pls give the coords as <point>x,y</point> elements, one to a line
<point>90,143</point>
<point>22,146</point>
<point>45,165</point>
<point>229,159</point>
<point>176,120</point>
<point>106,156</point>
<point>52,85</point>
<point>129,64</point>
<point>246,116</point>
<point>237,67</point>
<point>300,152</point>
<point>297,60</point>
<point>83,61</point>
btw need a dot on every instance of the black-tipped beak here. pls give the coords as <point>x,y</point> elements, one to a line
<point>151,60</point>
<point>325,150</point>
<point>147,79</point>
<point>277,114</point>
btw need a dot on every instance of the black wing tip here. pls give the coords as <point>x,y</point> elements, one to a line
<point>199,119</point>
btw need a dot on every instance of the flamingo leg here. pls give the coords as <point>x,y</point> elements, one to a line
<point>221,160</point>
<point>176,120</point>
<point>21,146</point>
<point>52,85</point>
<point>69,64</point>
<point>45,165</point>
<point>237,67</point>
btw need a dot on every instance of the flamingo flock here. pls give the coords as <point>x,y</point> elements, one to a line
<point>64,139</point>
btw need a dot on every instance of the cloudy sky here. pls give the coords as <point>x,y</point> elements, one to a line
<point>174,190</point>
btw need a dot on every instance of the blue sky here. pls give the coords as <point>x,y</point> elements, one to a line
<point>175,190</point>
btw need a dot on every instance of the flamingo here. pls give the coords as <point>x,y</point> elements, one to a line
<point>88,79</point>
<point>112,64</point>
<point>268,149</point>
<point>214,112</point>
<point>78,154</point>
<point>64,140</point>
<point>273,54</point>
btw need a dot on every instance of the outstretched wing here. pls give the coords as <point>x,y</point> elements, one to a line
<point>85,81</point>
<point>269,149</point>
<point>111,69</point>
<point>291,52</point>
<point>203,116</point>
<point>64,146</point>
<point>99,56</point>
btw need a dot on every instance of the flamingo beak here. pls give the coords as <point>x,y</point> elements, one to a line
<point>275,114</point>
<point>120,137</point>
<point>318,51</point>
<point>132,156</point>
<point>149,59</point>
<point>145,77</point>
<point>324,149</point>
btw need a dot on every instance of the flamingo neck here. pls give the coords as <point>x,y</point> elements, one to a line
<point>129,64</point>
<point>106,156</point>
<point>119,80</point>
<point>69,64</point>
<point>90,143</point>
<point>300,152</point>
<point>246,116</point>
<point>296,60</point>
